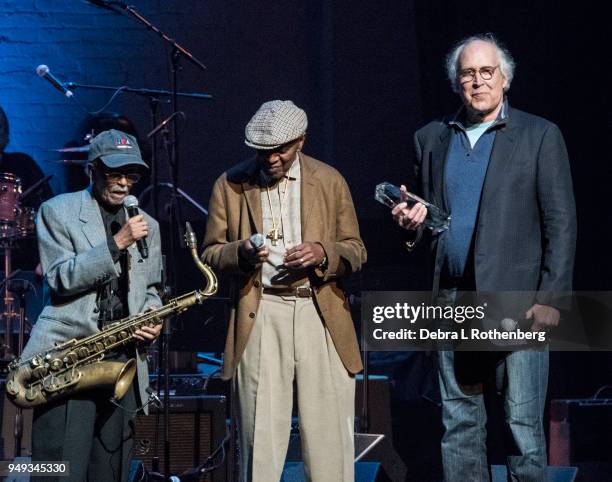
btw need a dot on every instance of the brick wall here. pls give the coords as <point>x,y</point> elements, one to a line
<point>353,69</point>
<point>81,43</point>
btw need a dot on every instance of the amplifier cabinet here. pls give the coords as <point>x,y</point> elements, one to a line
<point>580,431</point>
<point>196,428</point>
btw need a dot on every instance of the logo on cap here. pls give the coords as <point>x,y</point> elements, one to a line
<point>122,143</point>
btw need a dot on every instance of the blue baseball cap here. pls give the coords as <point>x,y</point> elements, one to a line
<point>115,149</point>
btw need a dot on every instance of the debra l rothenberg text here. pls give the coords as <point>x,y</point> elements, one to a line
<point>424,334</point>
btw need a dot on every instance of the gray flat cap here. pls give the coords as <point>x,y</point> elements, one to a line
<point>274,124</point>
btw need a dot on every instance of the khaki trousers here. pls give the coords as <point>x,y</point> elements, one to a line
<point>288,343</point>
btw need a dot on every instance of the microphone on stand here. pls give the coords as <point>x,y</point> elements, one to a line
<point>154,399</point>
<point>44,73</point>
<point>131,205</point>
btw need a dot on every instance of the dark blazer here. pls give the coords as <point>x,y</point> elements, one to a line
<point>525,233</point>
<point>327,216</point>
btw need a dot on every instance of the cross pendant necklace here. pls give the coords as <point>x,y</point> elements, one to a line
<point>275,234</point>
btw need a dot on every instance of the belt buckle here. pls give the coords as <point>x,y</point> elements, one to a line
<point>303,292</point>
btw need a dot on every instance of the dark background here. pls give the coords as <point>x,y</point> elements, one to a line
<point>368,77</point>
<point>367,73</point>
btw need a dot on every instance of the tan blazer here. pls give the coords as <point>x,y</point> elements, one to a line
<point>327,215</point>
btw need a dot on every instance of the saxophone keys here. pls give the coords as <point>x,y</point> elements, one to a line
<point>31,394</point>
<point>36,361</point>
<point>39,372</point>
<point>12,388</point>
<point>71,357</point>
<point>50,383</point>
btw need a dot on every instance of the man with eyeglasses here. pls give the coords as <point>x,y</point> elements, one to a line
<point>504,176</point>
<point>95,276</point>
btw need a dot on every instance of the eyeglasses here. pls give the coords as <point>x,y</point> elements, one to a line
<point>115,176</point>
<point>486,73</point>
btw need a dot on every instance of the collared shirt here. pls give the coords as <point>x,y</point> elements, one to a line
<point>501,119</point>
<point>112,296</point>
<point>464,175</point>
<point>285,210</point>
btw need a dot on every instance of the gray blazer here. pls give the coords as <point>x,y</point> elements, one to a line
<point>525,235</point>
<point>76,261</point>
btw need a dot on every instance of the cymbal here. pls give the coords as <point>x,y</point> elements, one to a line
<point>73,149</point>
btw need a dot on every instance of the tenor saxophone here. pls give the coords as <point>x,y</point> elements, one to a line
<point>78,364</point>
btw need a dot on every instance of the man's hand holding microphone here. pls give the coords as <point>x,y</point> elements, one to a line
<point>304,255</point>
<point>135,230</point>
<point>253,250</point>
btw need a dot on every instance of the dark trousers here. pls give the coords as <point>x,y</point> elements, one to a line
<point>90,433</point>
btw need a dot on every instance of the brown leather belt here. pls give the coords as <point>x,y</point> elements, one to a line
<point>299,292</point>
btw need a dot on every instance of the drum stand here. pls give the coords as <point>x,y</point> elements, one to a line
<point>10,315</point>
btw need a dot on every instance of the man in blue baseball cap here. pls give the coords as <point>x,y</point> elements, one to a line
<point>96,276</point>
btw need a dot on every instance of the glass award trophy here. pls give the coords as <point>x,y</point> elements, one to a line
<point>437,220</point>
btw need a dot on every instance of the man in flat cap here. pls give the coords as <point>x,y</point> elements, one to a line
<point>289,321</point>
<point>95,275</point>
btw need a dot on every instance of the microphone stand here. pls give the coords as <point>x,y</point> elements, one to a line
<point>183,194</point>
<point>140,91</point>
<point>178,52</point>
<point>155,97</point>
<point>9,352</point>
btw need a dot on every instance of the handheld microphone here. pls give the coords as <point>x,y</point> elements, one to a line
<point>131,205</point>
<point>257,240</point>
<point>44,72</point>
<point>508,324</point>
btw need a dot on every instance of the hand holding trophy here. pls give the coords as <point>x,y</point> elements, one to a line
<point>390,195</point>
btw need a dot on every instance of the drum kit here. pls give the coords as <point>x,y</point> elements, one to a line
<point>17,223</point>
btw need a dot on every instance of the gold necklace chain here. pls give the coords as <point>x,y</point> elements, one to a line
<point>274,234</point>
